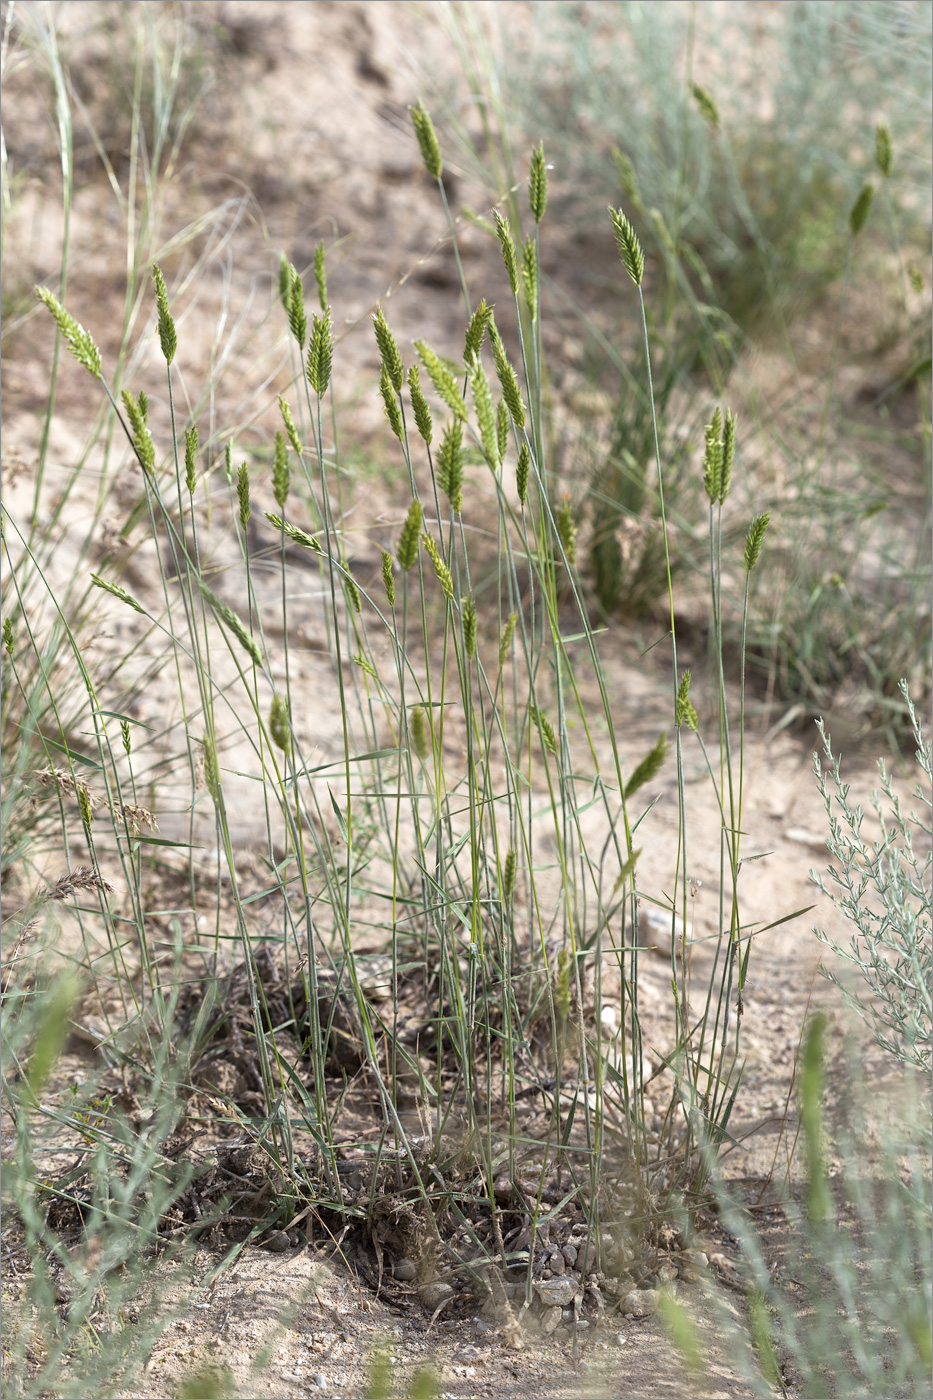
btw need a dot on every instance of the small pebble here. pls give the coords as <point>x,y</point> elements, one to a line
<point>433,1294</point>
<point>405,1271</point>
<point>551,1320</point>
<point>277,1242</point>
<point>570,1254</point>
<point>640,1302</point>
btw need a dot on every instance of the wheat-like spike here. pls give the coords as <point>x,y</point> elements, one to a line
<point>294,533</point>
<point>502,428</point>
<point>420,406</point>
<point>320,274</point>
<point>279,726</point>
<point>242,491</point>
<point>211,768</point>
<point>9,635</point>
<point>126,736</point>
<point>485,413</point>
<point>388,351</point>
<point>387,577</point>
<point>80,343</point>
<point>228,462</point>
<point>297,316</point>
<point>544,726</point>
<point>118,592</point>
<point>537,184</point>
<point>728,454</point>
<point>469,626</point>
<point>649,766</point>
<point>859,211</point>
<point>390,399</point>
<point>884,152</point>
<point>627,177</point>
<point>712,457</point>
<point>708,109</point>
<point>84,805</point>
<point>290,428</point>
<point>755,539</point>
<point>281,476</point>
<point>168,338</point>
<point>508,876</point>
<point>504,234</point>
<point>407,549</point>
<point>142,438</point>
<point>567,529</point>
<point>191,447</point>
<point>234,623</point>
<point>476,331</point>
<point>352,591</point>
<point>684,712</point>
<point>530,275</point>
<point>505,640</point>
<point>522,472</point>
<point>507,378</point>
<point>450,464</point>
<point>630,250</point>
<point>442,379</point>
<point>421,731</point>
<point>427,141</point>
<point>440,568</point>
<point>320,353</point>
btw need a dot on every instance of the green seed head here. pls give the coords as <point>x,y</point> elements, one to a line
<point>530,275</point>
<point>469,626</point>
<point>353,592</point>
<point>450,464</point>
<point>281,477</point>
<point>290,428</point>
<point>420,406</point>
<point>390,399</point>
<point>8,635</point>
<point>427,141</point>
<point>297,316</point>
<point>440,568</point>
<point>708,109</point>
<point>884,154</point>
<point>80,343</point>
<point>627,177</point>
<point>485,413</point>
<point>143,445</point>
<point>387,577</point>
<point>548,737</point>
<point>407,549</point>
<point>242,491</point>
<point>537,184</point>
<point>504,234</point>
<point>712,457</point>
<point>320,353</point>
<point>566,529</point>
<point>294,533</point>
<point>476,332</point>
<point>320,275</point>
<point>84,802</point>
<point>167,337</point>
<point>630,251</point>
<point>507,379</point>
<point>279,726</point>
<point>442,379</point>
<point>126,736</point>
<point>116,591</point>
<point>211,768</point>
<point>684,710</point>
<point>228,463</point>
<point>508,876</point>
<point>859,211</point>
<point>728,454</point>
<point>420,727</point>
<point>755,539</point>
<point>502,428</point>
<point>191,447</point>
<point>388,352</point>
<point>505,641</point>
<point>522,472</point>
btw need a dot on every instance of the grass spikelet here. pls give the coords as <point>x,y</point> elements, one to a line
<point>630,250</point>
<point>684,712</point>
<point>421,728</point>
<point>407,549</point>
<point>754,540</point>
<point>228,617</point>
<point>476,332</point>
<point>650,765</point>
<point>505,641</point>
<point>388,351</point>
<point>387,577</point>
<point>545,729</point>
<point>450,464</point>
<point>522,472</point>
<point>485,413</point>
<point>211,768</point>
<point>530,275</point>
<point>469,626</point>
<point>112,588</point>
<point>728,454</point>
<point>440,568</point>
<point>143,445</point>
<point>562,984</point>
<point>9,635</point>
<point>320,274</point>
<point>708,109</point>
<point>420,406</point>
<point>242,492</point>
<point>504,234</point>
<point>427,141</point>
<point>126,736</point>
<point>502,428</point>
<point>389,398</point>
<point>567,529</point>
<point>507,379</point>
<point>320,353</point>
<point>228,463</point>
<point>80,343</point>
<point>712,457</point>
<point>168,338</point>
<point>537,184</point>
<point>442,379</point>
<point>627,177</point>
<point>860,209</point>
<point>353,592</point>
<point>84,805</point>
<point>297,316</point>
<point>83,877</point>
<point>191,447</point>
<point>281,477</point>
<point>508,876</point>
<point>884,153</point>
<point>290,428</point>
<point>294,533</point>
